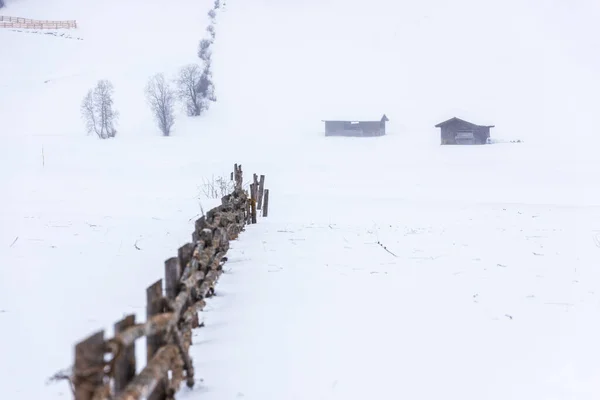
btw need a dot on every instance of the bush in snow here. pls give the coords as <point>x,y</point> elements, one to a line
<point>211,31</point>
<point>212,14</point>
<point>206,88</point>
<point>161,98</point>
<point>97,110</point>
<point>217,188</point>
<point>204,50</point>
<point>217,4</point>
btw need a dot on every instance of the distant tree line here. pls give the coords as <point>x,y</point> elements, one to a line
<point>193,87</point>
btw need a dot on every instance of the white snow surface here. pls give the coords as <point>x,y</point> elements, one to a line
<point>488,286</point>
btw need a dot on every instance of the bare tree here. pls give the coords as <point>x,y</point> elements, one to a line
<point>97,110</point>
<point>161,98</point>
<point>187,89</point>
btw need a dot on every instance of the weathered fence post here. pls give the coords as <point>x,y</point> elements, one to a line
<point>89,366</point>
<point>124,366</point>
<point>253,190</point>
<point>155,305</point>
<point>172,276</point>
<point>184,254</point>
<point>261,189</point>
<point>266,205</point>
<point>173,273</point>
<point>248,211</point>
<point>238,176</point>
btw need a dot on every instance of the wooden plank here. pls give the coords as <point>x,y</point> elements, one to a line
<point>149,381</point>
<point>89,366</point>
<point>261,190</point>
<point>172,276</point>
<point>155,325</point>
<point>266,205</point>
<point>155,305</point>
<point>124,366</point>
<point>185,358</point>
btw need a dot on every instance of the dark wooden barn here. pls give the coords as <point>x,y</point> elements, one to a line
<point>355,128</point>
<point>458,131</point>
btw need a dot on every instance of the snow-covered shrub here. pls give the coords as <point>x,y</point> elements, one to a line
<point>211,32</point>
<point>204,51</point>
<point>206,88</point>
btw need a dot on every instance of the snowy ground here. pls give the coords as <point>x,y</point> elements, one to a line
<point>490,288</point>
<point>483,298</point>
<point>492,292</point>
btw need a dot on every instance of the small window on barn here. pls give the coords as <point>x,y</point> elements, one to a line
<point>352,126</point>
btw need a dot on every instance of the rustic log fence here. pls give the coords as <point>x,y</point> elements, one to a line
<point>105,369</point>
<point>27,23</point>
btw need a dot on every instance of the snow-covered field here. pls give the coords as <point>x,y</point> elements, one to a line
<point>488,286</point>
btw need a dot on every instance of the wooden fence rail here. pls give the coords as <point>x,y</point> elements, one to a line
<point>106,368</point>
<point>27,23</point>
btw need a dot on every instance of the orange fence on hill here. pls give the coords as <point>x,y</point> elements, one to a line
<point>26,23</point>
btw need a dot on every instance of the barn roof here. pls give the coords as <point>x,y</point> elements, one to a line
<point>363,119</point>
<point>454,119</point>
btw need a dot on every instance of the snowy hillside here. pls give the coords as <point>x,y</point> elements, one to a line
<point>490,288</point>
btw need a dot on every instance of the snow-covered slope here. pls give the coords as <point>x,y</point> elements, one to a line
<point>44,78</point>
<point>491,289</point>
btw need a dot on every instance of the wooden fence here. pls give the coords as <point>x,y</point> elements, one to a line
<point>26,23</point>
<point>106,369</point>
